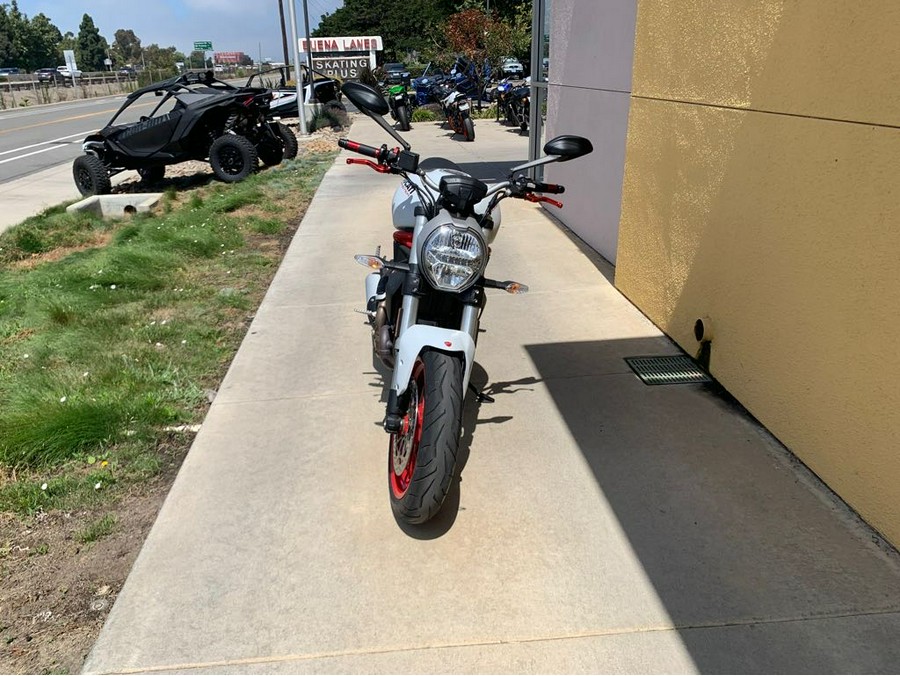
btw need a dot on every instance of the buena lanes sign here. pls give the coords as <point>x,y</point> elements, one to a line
<point>370,43</point>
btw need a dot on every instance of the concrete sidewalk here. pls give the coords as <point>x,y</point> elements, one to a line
<point>600,525</point>
<point>30,195</point>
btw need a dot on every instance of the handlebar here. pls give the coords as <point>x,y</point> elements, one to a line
<point>369,151</point>
<point>552,188</point>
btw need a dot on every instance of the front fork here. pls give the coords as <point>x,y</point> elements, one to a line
<point>412,339</point>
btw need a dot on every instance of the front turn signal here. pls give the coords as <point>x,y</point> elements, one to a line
<point>515,287</point>
<point>373,262</point>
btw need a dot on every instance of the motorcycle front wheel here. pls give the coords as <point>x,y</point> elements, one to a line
<point>403,117</point>
<point>422,455</point>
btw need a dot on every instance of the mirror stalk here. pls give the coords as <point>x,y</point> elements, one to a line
<point>536,163</point>
<point>388,128</point>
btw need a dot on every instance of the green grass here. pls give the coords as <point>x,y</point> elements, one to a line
<point>423,115</point>
<point>486,113</point>
<point>112,331</point>
<point>97,529</point>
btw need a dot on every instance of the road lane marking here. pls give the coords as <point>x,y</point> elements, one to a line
<point>76,117</point>
<point>43,143</point>
<point>36,152</point>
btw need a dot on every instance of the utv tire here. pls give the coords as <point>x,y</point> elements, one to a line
<point>232,158</point>
<point>152,175</point>
<point>270,153</point>
<point>403,118</point>
<point>290,141</point>
<point>468,129</point>
<point>91,176</point>
<point>422,456</point>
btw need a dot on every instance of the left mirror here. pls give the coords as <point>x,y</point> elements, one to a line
<point>366,98</point>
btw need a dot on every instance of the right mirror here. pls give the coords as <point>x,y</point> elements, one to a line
<point>568,147</point>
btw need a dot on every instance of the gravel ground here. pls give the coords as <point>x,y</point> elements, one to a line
<point>194,172</point>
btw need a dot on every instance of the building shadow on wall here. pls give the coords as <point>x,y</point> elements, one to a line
<point>758,567</point>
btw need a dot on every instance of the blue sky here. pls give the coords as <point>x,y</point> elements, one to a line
<point>231,25</point>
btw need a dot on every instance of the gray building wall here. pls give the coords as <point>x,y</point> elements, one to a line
<point>591,53</point>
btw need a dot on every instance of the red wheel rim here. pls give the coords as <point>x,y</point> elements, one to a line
<point>404,447</point>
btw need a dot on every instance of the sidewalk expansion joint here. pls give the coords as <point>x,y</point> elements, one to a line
<point>305,657</point>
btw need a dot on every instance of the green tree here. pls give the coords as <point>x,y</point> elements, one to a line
<point>7,56</point>
<point>197,60</point>
<point>17,32</point>
<point>126,47</point>
<point>68,42</point>
<point>45,39</point>
<point>402,24</point>
<point>160,58</point>
<point>90,48</point>
<point>26,43</point>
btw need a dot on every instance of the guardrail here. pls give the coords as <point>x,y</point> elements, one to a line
<point>19,91</point>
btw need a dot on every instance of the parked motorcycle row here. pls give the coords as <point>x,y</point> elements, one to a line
<point>456,93</point>
<point>424,304</point>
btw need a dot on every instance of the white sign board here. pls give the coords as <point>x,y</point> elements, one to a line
<point>356,43</point>
<point>344,67</point>
<point>69,56</point>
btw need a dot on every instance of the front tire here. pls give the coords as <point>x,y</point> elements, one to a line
<point>403,117</point>
<point>422,456</point>
<point>232,158</point>
<point>91,176</point>
<point>468,129</point>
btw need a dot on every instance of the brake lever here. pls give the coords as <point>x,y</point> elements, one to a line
<point>531,197</point>
<point>380,168</point>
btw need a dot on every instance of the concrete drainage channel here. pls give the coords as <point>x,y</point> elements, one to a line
<point>117,206</point>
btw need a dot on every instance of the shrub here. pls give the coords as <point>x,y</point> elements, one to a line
<point>423,115</point>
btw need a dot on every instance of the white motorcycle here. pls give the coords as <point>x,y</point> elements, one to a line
<point>425,303</point>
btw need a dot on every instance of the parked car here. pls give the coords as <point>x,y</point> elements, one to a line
<point>395,73</point>
<point>64,71</point>
<point>197,118</point>
<point>9,71</point>
<point>127,71</point>
<point>512,67</point>
<point>50,76</point>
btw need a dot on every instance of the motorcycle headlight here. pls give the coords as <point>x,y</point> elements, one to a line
<point>453,258</point>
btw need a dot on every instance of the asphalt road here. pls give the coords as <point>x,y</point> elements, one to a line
<point>38,138</point>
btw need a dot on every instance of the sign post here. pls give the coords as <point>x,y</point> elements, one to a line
<point>69,56</point>
<point>203,46</point>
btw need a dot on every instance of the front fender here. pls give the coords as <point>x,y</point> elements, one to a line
<point>420,336</point>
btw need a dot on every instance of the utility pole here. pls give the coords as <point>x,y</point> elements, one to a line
<point>298,79</point>
<point>309,65</point>
<point>287,59</point>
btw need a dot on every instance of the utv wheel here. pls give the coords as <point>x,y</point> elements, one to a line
<point>290,141</point>
<point>270,153</point>
<point>422,456</point>
<point>468,129</point>
<point>232,158</point>
<point>403,118</point>
<point>152,175</point>
<point>91,176</point>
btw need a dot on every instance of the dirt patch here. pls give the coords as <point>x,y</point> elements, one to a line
<point>58,254</point>
<point>57,588</point>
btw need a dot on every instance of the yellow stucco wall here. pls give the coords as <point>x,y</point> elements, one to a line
<point>762,189</point>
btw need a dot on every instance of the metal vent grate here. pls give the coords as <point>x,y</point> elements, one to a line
<point>675,370</point>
